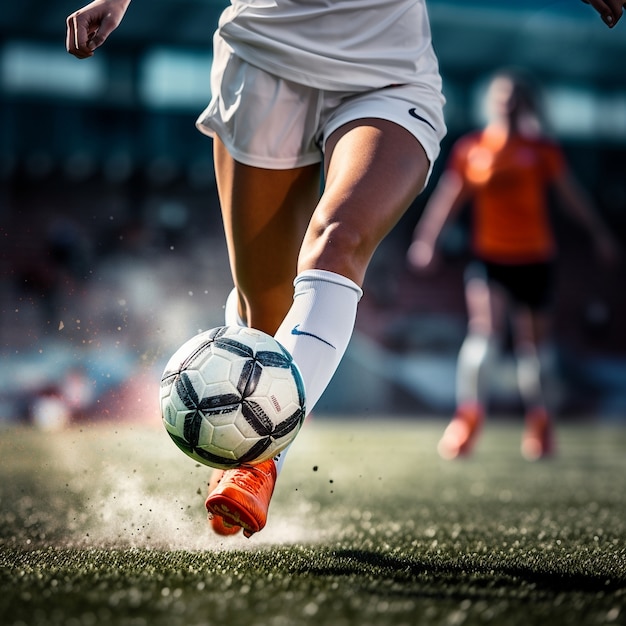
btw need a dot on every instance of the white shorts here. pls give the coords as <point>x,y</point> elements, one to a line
<point>266,121</point>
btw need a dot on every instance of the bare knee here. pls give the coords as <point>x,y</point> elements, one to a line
<point>337,247</point>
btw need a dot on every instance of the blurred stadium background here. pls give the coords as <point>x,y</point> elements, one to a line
<point>111,243</point>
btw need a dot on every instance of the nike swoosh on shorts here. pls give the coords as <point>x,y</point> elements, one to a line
<point>413,113</point>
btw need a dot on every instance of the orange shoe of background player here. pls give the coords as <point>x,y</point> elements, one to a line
<point>538,436</point>
<point>239,498</point>
<point>460,435</point>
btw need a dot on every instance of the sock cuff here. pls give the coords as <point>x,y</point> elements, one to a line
<point>328,277</point>
<point>231,310</point>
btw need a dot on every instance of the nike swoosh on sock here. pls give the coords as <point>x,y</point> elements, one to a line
<point>296,331</point>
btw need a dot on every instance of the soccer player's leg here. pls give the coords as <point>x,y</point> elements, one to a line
<point>374,170</point>
<point>531,329</point>
<point>486,306</point>
<point>475,356</point>
<point>265,215</point>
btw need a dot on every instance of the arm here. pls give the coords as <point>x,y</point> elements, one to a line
<point>579,206</point>
<point>610,10</point>
<point>88,28</point>
<point>449,195</point>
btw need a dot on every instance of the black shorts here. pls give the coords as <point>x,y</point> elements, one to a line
<point>528,284</point>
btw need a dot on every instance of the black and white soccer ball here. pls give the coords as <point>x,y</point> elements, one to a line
<point>232,396</point>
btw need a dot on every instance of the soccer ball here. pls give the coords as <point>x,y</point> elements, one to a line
<point>232,396</point>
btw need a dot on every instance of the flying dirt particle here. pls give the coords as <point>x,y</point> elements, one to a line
<point>315,468</point>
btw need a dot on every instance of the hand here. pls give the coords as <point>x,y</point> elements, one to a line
<point>421,256</point>
<point>610,10</point>
<point>88,28</point>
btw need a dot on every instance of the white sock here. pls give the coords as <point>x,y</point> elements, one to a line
<point>529,378</point>
<point>475,358</point>
<point>316,330</point>
<point>231,310</point>
<point>318,327</point>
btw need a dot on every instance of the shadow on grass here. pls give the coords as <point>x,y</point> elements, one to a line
<point>459,572</point>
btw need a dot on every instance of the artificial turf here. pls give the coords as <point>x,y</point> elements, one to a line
<point>105,525</point>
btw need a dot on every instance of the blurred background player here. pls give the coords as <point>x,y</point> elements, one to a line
<point>350,88</point>
<point>505,171</point>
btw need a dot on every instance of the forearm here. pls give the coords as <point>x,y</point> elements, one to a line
<point>581,208</point>
<point>442,206</point>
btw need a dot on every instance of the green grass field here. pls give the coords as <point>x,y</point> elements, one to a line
<point>105,525</point>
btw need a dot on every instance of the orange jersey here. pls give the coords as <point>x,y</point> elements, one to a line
<point>509,177</point>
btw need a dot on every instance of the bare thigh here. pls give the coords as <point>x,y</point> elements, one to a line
<point>374,170</point>
<point>275,227</point>
<point>265,214</point>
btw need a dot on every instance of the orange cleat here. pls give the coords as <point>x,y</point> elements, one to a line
<point>218,524</point>
<point>461,433</point>
<point>240,498</point>
<point>538,437</point>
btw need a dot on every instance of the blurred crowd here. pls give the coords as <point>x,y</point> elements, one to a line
<point>94,300</point>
